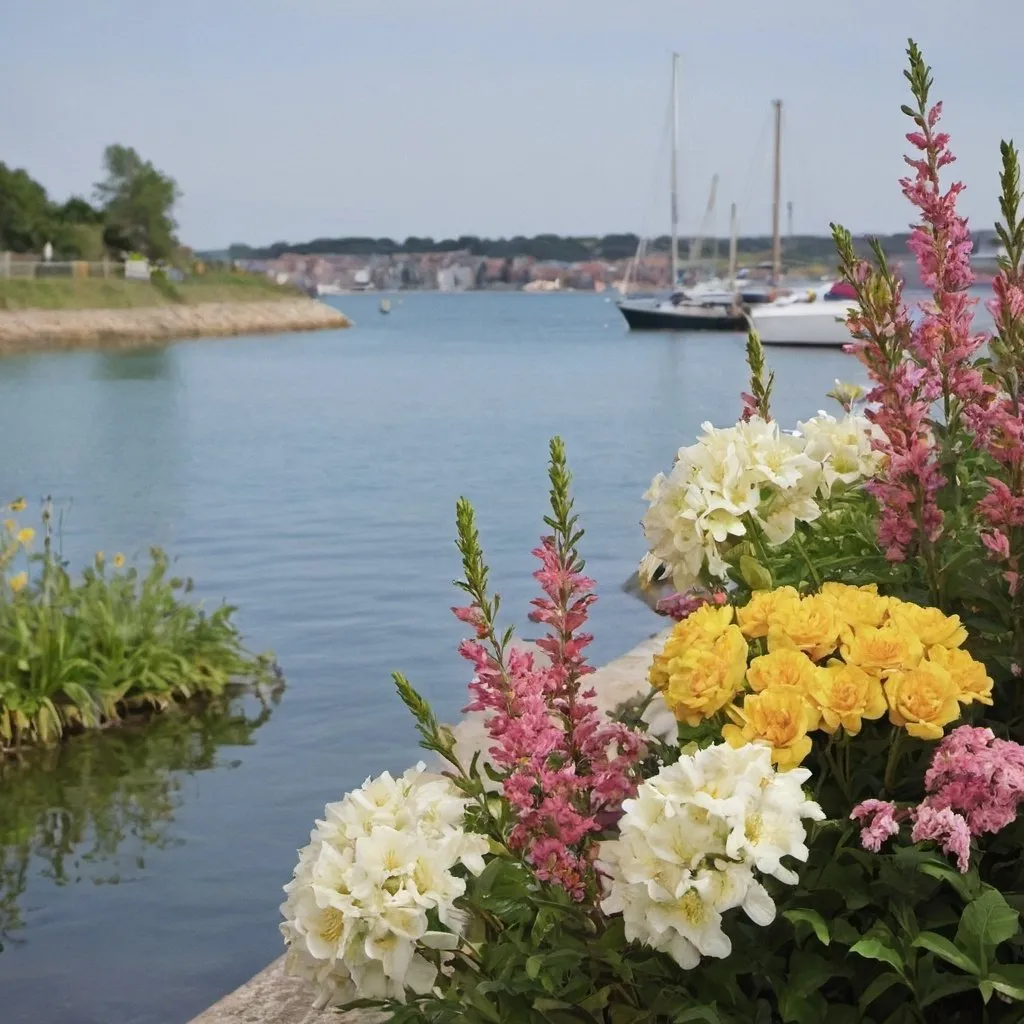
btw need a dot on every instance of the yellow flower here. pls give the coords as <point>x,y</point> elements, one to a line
<point>856,606</point>
<point>970,677</point>
<point>781,718</point>
<point>844,695</point>
<point>18,581</point>
<point>18,505</point>
<point>10,525</point>
<point>784,667</point>
<point>26,535</point>
<point>119,561</point>
<point>883,649</point>
<point>931,625</point>
<point>811,626</point>
<point>702,679</point>
<point>697,630</point>
<point>923,700</point>
<point>754,616</point>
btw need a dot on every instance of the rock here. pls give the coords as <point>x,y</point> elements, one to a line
<point>32,330</point>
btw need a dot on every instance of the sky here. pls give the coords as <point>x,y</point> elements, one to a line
<point>294,119</point>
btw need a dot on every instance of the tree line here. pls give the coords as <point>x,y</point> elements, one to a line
<point>565,249</point>
<point>131,212</point>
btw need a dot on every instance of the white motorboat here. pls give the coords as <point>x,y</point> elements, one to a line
<point>815,317</point>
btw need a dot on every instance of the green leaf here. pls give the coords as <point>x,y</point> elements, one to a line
<point>874,948</point>
<point>812,918</point>
<point>533,966</point>
<point>755,575</point>
<point>985,923</point>
<point>705,1013</point>
<point>945,949</point>
<point>1008,980</point>
<point>881,984</point>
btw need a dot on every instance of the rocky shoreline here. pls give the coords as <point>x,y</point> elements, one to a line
<point>34,330</point>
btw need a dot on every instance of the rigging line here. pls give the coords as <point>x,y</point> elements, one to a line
<point>760,172</point>
<point>656,189</point>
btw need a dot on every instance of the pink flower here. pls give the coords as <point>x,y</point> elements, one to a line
<point>682,606</point>
<point>948,829</point>
<point>567,768</point>
<point>878,820</point>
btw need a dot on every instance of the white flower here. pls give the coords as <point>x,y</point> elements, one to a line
<point>842,447</point>
<point>750,472</point>
<point>380,862</point>
<point>691,845</point>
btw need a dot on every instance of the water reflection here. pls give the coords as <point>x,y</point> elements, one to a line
<point>143,364</point>
<point>89,810</point>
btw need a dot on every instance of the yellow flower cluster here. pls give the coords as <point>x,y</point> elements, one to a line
<point>832,660</point>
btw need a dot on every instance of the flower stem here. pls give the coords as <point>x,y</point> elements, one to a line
<point>815,578</point>
<point>892,762</point>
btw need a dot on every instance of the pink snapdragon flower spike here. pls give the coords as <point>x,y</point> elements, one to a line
<point>566,767</point>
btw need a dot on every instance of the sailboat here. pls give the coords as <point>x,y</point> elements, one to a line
<point>815,316</point>
<point>704,308</point>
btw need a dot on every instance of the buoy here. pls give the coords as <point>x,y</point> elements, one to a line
<point>385,305</point>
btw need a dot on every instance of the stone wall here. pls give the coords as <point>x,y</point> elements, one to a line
<point>33,330</point>
<point>274,998</point>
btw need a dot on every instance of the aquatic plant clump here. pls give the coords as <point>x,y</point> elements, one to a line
<point>83,652</point>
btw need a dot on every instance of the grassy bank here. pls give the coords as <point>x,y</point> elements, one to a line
<point>83,652</point>
<point>115,293</point>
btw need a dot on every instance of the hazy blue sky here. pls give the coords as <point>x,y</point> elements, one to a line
<point>287,119</point>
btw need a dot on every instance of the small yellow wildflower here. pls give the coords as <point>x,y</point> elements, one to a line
<point>931,625</point>
<point>26,535</point>
<point>845,694</point>
<point>18,505</point>
<point>18,582</point>
<point>119,561</point>
<point>811,626</point>
<point>969,676</point>
<point>781,718</point>
<point>754,616</point>
<point>11,525</point>
<point>923,700</point>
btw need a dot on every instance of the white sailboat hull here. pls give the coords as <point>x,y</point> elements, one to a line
<point>803,323</point>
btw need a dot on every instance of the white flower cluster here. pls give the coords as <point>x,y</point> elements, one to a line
<point>378,871</point>
<point>692,842</point>
<point>751,471</point>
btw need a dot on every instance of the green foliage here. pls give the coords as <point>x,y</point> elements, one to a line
<point>80,653</point>
<point>137,202</point>
<point>26,216</point>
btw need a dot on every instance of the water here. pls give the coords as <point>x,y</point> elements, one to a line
<point>311,479</point>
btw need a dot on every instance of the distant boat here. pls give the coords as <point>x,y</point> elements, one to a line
<point>329,289</point>
<point>385,305</point>
<point>816,318</point>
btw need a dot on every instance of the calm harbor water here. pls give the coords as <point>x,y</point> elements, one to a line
<point>311,480</point>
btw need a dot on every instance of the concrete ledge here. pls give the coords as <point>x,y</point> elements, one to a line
<point>32,330</point>
<point>274,998</point>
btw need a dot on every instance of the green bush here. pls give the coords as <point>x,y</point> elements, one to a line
<point>79,653</point>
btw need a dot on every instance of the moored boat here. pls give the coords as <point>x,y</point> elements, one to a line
<point>817,318</point>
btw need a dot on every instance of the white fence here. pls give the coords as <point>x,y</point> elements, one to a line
<point>15,267</point>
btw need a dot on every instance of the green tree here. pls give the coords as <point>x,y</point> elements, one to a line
<point>137,201</point>
<point>26,216</point>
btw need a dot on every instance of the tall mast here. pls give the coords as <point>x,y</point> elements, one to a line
<point>776,190</point>
<point>675,170</point>
<point>733,236</point>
